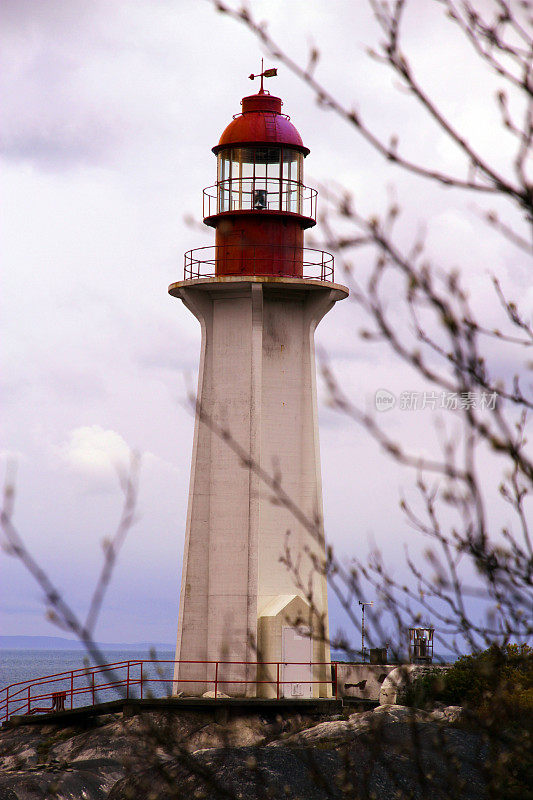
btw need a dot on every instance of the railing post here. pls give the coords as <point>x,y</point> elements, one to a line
<point>337,681</point>
<point>277,681</point>
<point>92,683</point>
<point>216,679</point>
<point>7,703</point>
<point>128,683</point>
<point>29,699</point>
<point>71,689</point>
<point>141,680</point>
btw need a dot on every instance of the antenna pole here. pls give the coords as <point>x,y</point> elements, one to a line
<point>362,604</point>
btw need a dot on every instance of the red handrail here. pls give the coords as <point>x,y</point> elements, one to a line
<point>278,194</point>
<point>19,698</point>
<point>314,264</point>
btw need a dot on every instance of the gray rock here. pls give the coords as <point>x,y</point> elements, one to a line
<point>317,774</point>
<point>453,713</point>
<point>375,750</point>
<point>8,794</point>
<point>330,732</point>
<point>345,730</point>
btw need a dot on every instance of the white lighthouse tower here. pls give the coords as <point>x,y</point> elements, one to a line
<point>258,295</point>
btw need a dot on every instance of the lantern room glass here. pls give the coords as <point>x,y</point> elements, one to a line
<point>260,178</point>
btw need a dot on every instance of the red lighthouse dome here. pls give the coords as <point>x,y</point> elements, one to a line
<point>261,121</point>
<point>259,205</point>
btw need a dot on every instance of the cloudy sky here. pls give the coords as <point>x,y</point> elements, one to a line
<point>110,110</point>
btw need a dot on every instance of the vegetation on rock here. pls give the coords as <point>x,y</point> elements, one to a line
<point>496,689</point>
<point>495,678</point>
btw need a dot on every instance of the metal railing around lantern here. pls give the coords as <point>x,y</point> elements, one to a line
<point>260,194</point>
<point>146,678</point>
<point>260,260</point>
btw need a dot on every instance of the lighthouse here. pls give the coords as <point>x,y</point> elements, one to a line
<point>247,620</point>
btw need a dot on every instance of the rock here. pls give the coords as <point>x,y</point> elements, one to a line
<point>241,772</point>
<point>8,794</point>
<point>398,713</point>
<point>90,780</point>
<point>337,732</point>
<point>448,714</point>
<point>97,762</point>
<point>219,695</point>
<point>28,757</point>
<point>398,680</point>
<point>332,732</point>
<point>379,770</point>
<point>47,761</point>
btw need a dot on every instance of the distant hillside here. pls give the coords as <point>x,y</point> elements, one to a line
<point>60,643</point>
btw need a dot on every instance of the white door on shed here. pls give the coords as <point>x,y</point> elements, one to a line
<point>296,669</point>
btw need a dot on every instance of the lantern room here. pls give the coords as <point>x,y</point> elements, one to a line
<point>259,205</point>
<point>259,179</point>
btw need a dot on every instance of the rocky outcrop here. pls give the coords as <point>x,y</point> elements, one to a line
<point>391,752</point>
<point>381,723</point>
<point>384,751</point>
<point>237,772</point>
<point>85,762</point>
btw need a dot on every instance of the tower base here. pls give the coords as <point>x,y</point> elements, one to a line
<point>257,394</point>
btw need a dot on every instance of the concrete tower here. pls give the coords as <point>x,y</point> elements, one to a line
<point>258,295</point>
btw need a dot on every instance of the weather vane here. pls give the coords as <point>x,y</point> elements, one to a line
<point>265,73</point>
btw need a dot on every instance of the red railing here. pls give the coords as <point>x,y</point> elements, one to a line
<point>262,260</point>
<point>62,690</point>
<point>260,194</point>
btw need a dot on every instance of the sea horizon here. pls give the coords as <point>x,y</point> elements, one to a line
<point>26,642</point>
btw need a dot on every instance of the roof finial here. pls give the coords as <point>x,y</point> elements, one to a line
<point>265,73</point>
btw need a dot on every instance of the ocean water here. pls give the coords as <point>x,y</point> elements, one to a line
<point>29,665</point>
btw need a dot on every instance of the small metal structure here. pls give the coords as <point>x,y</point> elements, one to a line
<point>363,648</point>
<point>378,655</point>
<point>421,645</point>
<point>265,73</point>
